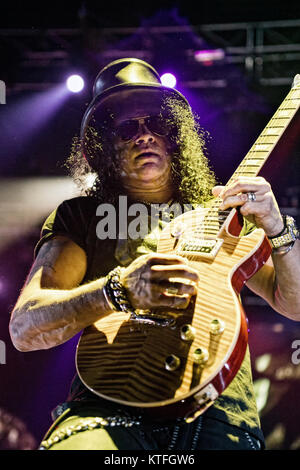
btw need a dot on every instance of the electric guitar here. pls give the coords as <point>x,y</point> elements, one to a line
<point>177,367</point>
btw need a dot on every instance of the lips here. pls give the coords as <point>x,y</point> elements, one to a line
<point>147,154</point>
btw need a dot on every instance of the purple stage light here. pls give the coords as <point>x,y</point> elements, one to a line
<point>75,83</point>
<point>207,57</point>
<point>168,79</point>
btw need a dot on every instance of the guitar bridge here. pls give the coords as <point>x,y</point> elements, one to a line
<point>200,246</point>
<point>151,317</point>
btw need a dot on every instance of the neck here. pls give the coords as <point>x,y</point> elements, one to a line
<point>156,195</point>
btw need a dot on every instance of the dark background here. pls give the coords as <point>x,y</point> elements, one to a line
<point>35,139</point>
<point>114,14</point>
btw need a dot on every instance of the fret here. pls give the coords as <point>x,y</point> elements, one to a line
<point>250,169</point>
<point>223,214</point>
<point>212,215</point>
<point>289,107</point>
<point>212,226</point>
<point>260,151</point>
<point>208,231</point>
<point>254,151</point>
<point>285,120</point>
<point>248,173</point>
<point>201,234</point>
<point>258,158</point>
<point>275,126</point>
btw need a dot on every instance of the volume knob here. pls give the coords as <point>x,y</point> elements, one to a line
<point>217,327</point>
<point>200,356</point>
<point>172,362</point>
<point>187,333</point>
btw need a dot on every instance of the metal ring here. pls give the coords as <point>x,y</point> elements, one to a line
<point>172,291</point>
<point>251,197</point>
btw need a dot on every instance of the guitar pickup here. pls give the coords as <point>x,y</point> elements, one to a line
<point>200,246</point>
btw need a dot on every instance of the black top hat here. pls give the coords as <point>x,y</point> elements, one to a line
<point>129,83</point>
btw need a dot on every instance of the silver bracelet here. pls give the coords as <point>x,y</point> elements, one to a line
<point>288,248</point>
<point>115,292</point>
<point>108,301</point>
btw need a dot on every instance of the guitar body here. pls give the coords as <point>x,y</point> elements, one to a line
<point>181,367</point>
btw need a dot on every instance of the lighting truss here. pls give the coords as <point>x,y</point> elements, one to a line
<point>268,52</point>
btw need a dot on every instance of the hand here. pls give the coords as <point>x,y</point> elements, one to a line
<point>264,211</point>
<point>147,280</point>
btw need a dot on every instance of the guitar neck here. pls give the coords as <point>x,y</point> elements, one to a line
<point>264,145</point>
<point>259,152</point>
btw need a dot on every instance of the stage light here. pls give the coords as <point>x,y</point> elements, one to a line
<point>75,83</point>
<point>208,57</point>
<point>168,80</point>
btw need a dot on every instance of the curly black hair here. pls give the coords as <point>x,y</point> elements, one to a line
<point>192,177</point>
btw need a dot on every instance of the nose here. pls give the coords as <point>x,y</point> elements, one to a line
<point>144,135</point>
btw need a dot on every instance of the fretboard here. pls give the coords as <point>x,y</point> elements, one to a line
<point>257,155</point>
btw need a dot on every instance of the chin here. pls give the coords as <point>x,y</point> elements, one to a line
<point>151,173</point>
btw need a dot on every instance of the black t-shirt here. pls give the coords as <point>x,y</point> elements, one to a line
<point>77,219</point>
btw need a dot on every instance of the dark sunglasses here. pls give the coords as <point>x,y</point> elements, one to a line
<point>128,130</point>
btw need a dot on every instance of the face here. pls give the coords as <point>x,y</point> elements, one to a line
<point>144,157</point>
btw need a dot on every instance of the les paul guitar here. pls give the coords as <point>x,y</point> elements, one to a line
<point>177,368</point>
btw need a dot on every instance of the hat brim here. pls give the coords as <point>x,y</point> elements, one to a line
<point>129,98</point>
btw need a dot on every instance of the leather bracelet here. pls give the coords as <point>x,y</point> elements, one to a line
<point>286,237</point>
<point>115,292</point>
<point>282,231</point>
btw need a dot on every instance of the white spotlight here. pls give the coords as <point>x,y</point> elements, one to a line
<point>75,83</point>
<point>168,79</point>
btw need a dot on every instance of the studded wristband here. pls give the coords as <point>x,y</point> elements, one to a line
<point>287,236</point>
<point>115,292</point>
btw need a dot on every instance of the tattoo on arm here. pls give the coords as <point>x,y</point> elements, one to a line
<point>47,256</point>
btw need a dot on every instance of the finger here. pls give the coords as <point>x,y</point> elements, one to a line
<point>173,301</point>
<point>217,190</point>
<point>161,273</point>
<point>256,208</point>
<point>241,200</point>
<point>177,288</point>
<point>162,259</point>
<point>245,186</point>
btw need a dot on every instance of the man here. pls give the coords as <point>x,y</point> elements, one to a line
<point>142,141</point>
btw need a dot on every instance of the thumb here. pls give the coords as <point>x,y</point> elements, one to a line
<point>216,190</point>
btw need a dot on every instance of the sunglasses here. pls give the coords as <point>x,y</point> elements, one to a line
<point>128,130</point>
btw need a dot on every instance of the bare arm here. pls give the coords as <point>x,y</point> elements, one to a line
<point>52,307</point>
<point>278,283</point>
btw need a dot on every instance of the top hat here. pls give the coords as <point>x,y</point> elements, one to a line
<point>129,84</point>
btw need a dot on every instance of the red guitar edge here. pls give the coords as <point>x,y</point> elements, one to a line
<point>190,407</point>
